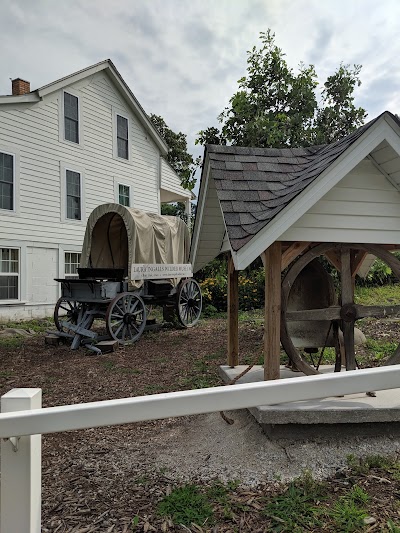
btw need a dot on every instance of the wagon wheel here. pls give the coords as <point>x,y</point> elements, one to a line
<point>126,318</point>
<point>189,303</point>
<point>69,311</point>
<point>345,314</point>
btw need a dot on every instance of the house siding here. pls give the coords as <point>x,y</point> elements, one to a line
<point>37,228</point>
<point>363,207</point>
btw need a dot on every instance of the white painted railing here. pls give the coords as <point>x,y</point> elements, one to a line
<point>22,422</point>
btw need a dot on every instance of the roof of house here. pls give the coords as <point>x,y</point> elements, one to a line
<point>254,184</point>
<point>108,66</point>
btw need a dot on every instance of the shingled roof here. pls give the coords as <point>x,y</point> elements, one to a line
<point>255,184</point>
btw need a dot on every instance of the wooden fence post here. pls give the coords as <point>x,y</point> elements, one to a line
<point>233,314</point>
<point>272,319</point>
<point>21,476</point>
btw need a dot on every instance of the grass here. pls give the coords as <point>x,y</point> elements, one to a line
<point>38,326</point>
<point>303,505</point>
<point>186,505</point>
<point>385,294</point>
<point>15,341</point>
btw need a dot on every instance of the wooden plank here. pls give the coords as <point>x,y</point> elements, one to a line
<point>272,319</point>
<point>347,298</point>
<point>334,259</point>
<point>356,261</point>
<point>292,252</point>
<point>233,314</point>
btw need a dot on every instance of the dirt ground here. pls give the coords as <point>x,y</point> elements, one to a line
<point>100,479</point>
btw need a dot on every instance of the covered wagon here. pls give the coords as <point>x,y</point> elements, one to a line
<point>130,260</point>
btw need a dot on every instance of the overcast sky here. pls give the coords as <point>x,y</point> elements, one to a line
<point>182,58</point>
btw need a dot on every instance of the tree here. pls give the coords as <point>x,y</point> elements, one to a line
<point>178,157</point>
<point>277,107</point>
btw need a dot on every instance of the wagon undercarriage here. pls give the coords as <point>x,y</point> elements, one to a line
<point>124,312</point>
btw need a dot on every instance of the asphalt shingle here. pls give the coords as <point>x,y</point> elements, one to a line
<point>255,184</point>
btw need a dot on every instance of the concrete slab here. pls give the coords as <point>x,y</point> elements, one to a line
<point>358,413</point>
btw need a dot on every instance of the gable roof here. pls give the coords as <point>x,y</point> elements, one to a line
<point>255,185</point>
<point>109,67</point>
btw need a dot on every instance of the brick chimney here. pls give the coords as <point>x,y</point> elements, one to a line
<point>20,86</point>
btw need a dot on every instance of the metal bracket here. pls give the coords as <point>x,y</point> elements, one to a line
<point>14,441</point>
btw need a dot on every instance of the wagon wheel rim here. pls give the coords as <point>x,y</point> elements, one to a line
<point>189,303</point>
<point>346,314</point>
<point>67,311</point>
<point>126,318</point>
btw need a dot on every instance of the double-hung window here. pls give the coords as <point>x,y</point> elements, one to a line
<point>71,118</point>
<point>124,195</point>
<point>7,164</point>
<point>122,137</point>
<point>74,194</point>
<point>71,262</point>
<point>9,273</point>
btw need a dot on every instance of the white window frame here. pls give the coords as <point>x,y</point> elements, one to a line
<point>73,168</point>
<point>14,152</point>
<point>123,114</point>
<point>117,183</point>
<point>61,118</point>
<point>19,275</point>
<point>72,276</point>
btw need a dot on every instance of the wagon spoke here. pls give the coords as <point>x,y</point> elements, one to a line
<point>327,313</point>
<point>126,318</point>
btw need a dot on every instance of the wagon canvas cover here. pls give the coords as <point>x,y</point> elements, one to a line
<point>119,237</point>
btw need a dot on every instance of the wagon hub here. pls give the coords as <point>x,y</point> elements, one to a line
<point>348,313</point>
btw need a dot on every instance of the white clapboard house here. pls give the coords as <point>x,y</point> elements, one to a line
<point>65,148</point>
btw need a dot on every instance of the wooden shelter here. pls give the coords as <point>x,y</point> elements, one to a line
<point>284,203</point>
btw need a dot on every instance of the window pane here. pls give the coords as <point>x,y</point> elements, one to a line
<point>122,137</point>
<point>6,181</point>
<point>9,264</point>
<point>71,118</point>
<point>71,130</point>
<point>122,148</point>
<point>73,180</point>
<point>72,260</point>
<point>124,196</point>
<point>8,287</point>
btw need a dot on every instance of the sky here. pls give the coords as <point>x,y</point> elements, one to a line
<point>182,58</point>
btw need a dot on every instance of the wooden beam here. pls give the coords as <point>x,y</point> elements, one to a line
<point>233,314</point>
<point>347,298</point>
<point>292,252</point>
<point>272,318</point>
<point>357,261</point>
<point>334,259</point>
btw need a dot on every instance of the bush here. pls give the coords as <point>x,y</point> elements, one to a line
<point>251,290</point>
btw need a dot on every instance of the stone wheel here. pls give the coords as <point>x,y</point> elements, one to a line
<point>189,303</point>
<point>68,312</point>
<point>126,318</point>
<point>344,315</point>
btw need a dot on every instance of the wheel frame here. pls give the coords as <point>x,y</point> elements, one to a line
<point>348,312</point>
<point>76,310</point>
<point>123,308</point>
<point>189,300</point>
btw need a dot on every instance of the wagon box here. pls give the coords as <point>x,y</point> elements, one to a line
<point>130,259</point>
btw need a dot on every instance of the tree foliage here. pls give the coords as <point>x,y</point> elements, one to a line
<point>276,106</point>
<point>178,157</point>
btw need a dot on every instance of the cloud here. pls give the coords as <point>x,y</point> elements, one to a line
<point>182,59</point>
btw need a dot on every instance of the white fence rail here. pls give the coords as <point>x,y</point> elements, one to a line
<point>22,422</point>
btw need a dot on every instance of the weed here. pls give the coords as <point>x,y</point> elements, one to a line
<point>38,326</point>
<point>392,528</point>
<point>5,374</point>
<point>348,516</point>
<point>380,349</point>
<point>363,465</point>
<point>186,505</point>
<point>297,508</point>
<point>12,342</point>
<point>108,365</point>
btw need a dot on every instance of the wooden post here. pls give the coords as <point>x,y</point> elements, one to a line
<point>21,491</point>
<point>347,298</point>
<point>272,319</point>
<point>233,314</point>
